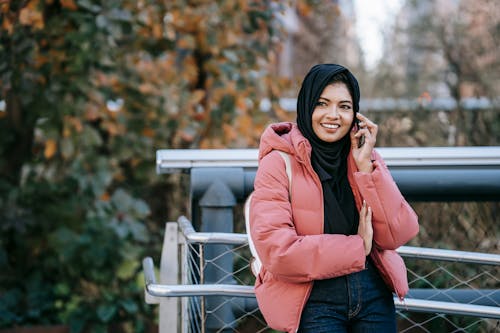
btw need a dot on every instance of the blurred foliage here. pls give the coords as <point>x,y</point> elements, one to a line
<point>92,89</point>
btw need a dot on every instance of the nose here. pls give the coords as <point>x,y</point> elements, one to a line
<point>333,111</point>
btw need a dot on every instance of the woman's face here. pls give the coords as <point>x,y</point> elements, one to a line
<point>333,115</point>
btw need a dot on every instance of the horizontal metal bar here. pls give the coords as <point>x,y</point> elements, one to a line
<point>173,160</point>
<point>449,255</point>
<point>421,305</point>
<point>405,251</point>
<point>488,297</point>
<point>209,237</point>
<point>232,290</point>
<point>408,304</point>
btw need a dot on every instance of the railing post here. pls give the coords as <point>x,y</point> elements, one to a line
<point>217,206</point>
<point>169,274</point>
<point>184,266</point>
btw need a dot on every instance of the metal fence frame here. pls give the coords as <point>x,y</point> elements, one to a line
<point>181,233</point>
<point>423,174</point>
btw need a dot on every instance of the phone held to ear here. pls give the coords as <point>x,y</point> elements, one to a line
<point>361,140</point>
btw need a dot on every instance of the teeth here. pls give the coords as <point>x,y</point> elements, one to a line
<point>330,125</point>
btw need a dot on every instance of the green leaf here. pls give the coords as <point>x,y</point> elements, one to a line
<point>62,289</point>
<point>101,21</point>
<point>67,148</point>
<point>139,231</point>
<point>120,15</point>
<point>129,305</point>
<point>121,199</point>
<point>86,4</point>
<point>90,137</point>
<point>141,209</point>
<point>106,312</point>
<point>127,269</point>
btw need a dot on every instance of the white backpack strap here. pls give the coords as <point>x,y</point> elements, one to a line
<point>255,263</point>
<point>288,169</point>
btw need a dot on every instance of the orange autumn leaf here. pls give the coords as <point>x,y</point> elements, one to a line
<point>32,16</point>
<point>147,88</point>
<point>7,25</point>
<point>157,31</point>
<point>105,196</point>
<point>241,103</point>
<point>91,112</point>
<point>76,123</point>
<point>197,96</point>
<point>50,148</point>
<point>66,132</point>
<point>245,124</point>
<point>69,4</point>
<point>148,132</point>
<point>304,8</point>
<point>230,133</point>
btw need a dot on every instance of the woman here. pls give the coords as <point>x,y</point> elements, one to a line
<point>327,243</point>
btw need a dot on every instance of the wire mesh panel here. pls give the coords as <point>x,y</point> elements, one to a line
<point>456,282</point>
<point>220,313</point>
<point>429,279</point>
<point>450,291</point>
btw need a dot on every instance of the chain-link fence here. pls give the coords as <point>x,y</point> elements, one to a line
<point>450,291</point>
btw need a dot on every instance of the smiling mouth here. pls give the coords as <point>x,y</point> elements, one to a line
<point>330,126</point>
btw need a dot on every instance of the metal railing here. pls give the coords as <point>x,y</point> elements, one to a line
<point>196,313</point>
<point>205,284</point>
<point>176,160</point>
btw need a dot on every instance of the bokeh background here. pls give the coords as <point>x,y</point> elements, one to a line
<point>91,89</point>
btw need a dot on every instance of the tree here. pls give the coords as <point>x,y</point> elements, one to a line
<point>91,90</point>
<point>447,48</point>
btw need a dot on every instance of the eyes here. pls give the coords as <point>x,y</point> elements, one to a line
<point>342,106</point>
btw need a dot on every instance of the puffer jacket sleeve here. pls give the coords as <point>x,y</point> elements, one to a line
<point>288,256</point>
<point>394,221</point>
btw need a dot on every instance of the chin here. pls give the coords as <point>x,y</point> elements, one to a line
<point>329,139</point>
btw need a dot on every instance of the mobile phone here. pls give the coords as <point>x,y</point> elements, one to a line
<point>361,140</point>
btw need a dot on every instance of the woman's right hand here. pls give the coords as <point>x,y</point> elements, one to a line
<point>365,229</point>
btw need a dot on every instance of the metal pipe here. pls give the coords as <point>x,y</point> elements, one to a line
<point>408,304</point>
<point>175,160</point>
<point>449,255</point>
<point>420,305</point>
<point>231,290</point>
<point>488,297</point>
<point>209,237</point>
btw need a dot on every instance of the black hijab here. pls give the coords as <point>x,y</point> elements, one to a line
<point>329,159</point>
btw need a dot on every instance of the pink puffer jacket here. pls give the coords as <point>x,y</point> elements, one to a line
<point>288,234</point>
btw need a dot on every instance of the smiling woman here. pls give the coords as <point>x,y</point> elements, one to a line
<point>314,237</point>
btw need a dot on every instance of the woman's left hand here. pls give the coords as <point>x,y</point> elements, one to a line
<point>362,155</point>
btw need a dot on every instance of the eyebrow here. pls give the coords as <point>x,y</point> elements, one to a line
<point>326,99</point>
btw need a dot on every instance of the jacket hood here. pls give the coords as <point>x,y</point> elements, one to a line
<point>285,137</point>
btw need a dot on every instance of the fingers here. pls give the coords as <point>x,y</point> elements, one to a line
<point>365,228</point>
<point>363,210</point>
<point>364,121</point>
<point>366,126</point>
<point>365,214</point>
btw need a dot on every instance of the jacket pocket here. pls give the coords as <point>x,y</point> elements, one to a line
<point>392,270</point>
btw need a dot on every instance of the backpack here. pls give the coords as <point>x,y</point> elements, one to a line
<point>255,263</point>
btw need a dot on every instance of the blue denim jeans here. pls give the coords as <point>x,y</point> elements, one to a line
<point>358,302</point>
